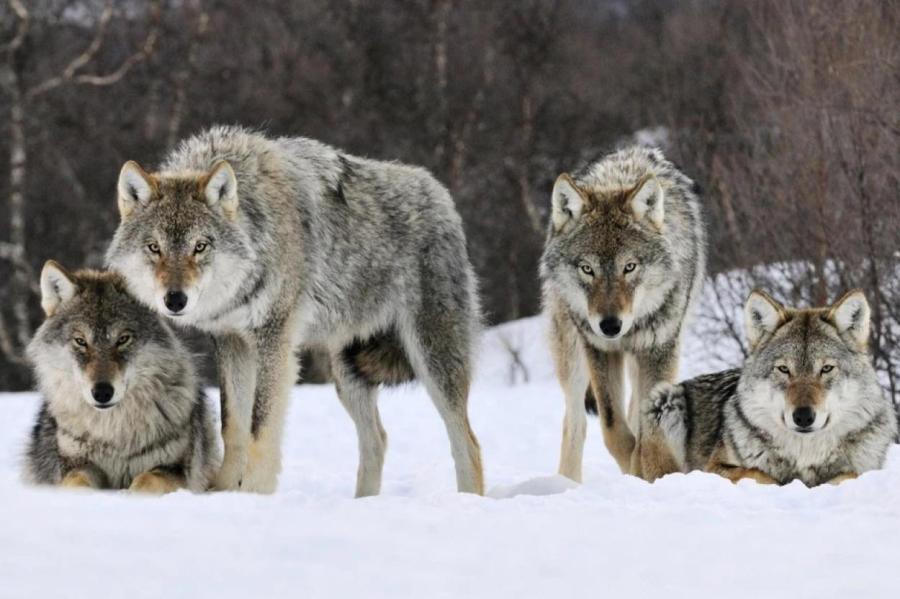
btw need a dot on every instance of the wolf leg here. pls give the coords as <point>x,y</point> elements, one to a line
<point>571,370</point>
<point>237,380</point>
<point>843,477</point>
<point>158,481</point>
<point>654,366</point>
<point>360,399</point>
<point>83,478</point>
<point>664,433</point>
<point>721,462</point>
<point>276,375</point>
<point>439,353</point>
<point>606,370</point>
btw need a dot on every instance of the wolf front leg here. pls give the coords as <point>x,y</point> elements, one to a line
<point>721,462</point>
<point>571,370</point>
<point>86,477</point>
<point>158,481</point>
<point>843,477</point>
<point>277,368</point>
<point>237,363</point>
<point>655,365</point>
<point>606,371</point>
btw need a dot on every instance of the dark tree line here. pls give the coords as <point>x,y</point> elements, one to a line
<point>785,111</point>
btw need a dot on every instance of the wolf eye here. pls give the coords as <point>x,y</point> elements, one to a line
<point>80,342</point>
<point>783,369</point>
<point>153,247</point>
<point>586,269</point>
<point>827,368</point>
<point>123,339</point>
<point>629,267</point>
<point>200,247</point>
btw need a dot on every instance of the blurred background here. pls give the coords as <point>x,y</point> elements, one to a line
<point>786,112</point>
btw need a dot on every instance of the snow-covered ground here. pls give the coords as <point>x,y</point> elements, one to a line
<point>536,535</point>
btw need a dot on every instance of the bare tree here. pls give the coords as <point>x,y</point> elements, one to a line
<point>21,98</point>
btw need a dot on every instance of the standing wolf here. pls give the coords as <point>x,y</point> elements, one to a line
<point>122,404</point>
<point>270,244</point>
<point>624,260</point>
<point>806,405</point>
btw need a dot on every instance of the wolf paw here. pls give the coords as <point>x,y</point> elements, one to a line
<point>153,483</point>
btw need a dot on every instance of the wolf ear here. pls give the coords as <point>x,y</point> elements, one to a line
<point>57,287</point>
<point>647,200</point>
<point>568,202</point>
<point>762,315</point>
<point>220,187</point>
<point>851,315</point>
<point>135,188</point>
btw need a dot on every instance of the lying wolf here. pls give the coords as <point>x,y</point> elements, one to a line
<point>806,405</point>
<point>274,244</point>
<point>122,405</point>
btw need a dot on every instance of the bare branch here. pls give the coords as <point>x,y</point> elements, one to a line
<point>21,29</point>
<point>70,73</point>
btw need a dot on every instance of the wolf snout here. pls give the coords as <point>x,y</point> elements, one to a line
<point>804,417</point>
<point>611,326</point>
<point>103,393</point>
<point>176,301</point>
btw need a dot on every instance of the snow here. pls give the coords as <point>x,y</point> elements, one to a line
<point>535,535</point>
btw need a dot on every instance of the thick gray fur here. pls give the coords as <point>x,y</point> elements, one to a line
<point>159,422</point>
<point>365,258</point>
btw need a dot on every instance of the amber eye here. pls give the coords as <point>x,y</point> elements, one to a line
<point>784,369</point>
<point>629,267</point>
<point>80,342</point>
<point>586,269</point>
<point>153,248</point>
<point>827,368</point>
<point>200,247</point>
<point>123,339</point>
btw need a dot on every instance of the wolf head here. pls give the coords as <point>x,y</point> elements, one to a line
<point>809,369</point>
<point>179,244</point>
<point>612,262</point>
<point>97,340</point>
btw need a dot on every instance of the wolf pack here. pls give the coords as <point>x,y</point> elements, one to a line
<point>272,245</point>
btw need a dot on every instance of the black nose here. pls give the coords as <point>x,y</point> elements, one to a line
<point>610,326</point>
<point>804,417</point>
<point>103,392</point>
<point>176,301</point>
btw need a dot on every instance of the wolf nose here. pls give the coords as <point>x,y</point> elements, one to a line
<point>176,300</point>
<point>610,326</point>
<point>103,392</point>
<point>804,417</point>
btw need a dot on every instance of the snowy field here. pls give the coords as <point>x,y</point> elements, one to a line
<point>536,535</point>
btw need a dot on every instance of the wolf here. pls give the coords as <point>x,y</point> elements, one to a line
<point>122,407</point>
<point>806,405</point>
<point>273,244</point>
<point>623,263</point>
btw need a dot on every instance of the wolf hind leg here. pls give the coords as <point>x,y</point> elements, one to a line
<point>439,352</point>
<point>360,398</point>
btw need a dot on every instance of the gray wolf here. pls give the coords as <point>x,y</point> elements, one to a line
<point>805,406</point>
<point>122,407</point>
<point>623,262</point>
<point>271,244</point>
